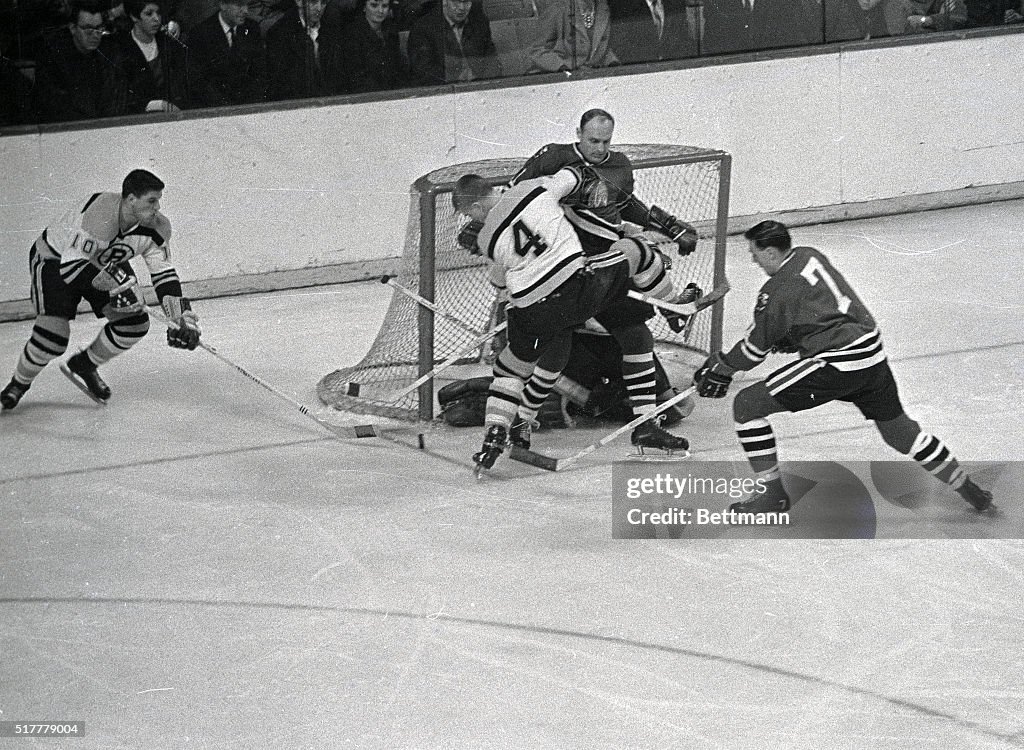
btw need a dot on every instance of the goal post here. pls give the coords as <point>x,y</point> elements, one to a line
<point>691,183</point>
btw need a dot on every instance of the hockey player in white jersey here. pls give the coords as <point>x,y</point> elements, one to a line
<point>84,254</point>
<point>552,288</point>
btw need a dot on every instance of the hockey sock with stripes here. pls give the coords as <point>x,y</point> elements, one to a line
<point>638,372</point>
<point>933,455</point>
<point>503,401</point>
<point>758,442</point>
<point>536,391</point>
<point>48,341</point>
<point>117,337</point>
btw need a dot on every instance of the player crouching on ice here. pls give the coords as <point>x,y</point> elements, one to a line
<point>84,255</point>
<point>806,306</point>
<point>552,289</point>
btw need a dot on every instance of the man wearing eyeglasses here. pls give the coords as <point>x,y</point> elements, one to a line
<point>73,75</point>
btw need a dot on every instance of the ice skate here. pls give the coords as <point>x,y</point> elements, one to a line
<point>773,500</point>
<point>80,370</point>
<point>519,433</point>
<point>977,497</point>
<point>494,445</point>
<point>11,395</point>
<point>650,434</point>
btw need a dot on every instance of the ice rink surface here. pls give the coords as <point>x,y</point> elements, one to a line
<point>198,565</point>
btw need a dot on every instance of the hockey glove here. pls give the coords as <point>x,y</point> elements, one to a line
<point>468,235</point>
<point>684,235</point>
<point>676,321</point>
<point>713,377</point>
<point>183,332</point>
<point>120,285</point>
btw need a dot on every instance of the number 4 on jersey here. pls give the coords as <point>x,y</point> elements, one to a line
<point>525,240</point>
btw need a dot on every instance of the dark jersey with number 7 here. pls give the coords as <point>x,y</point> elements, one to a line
<point>808,307</point>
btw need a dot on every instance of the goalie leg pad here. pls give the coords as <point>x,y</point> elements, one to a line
<point>464,402</point>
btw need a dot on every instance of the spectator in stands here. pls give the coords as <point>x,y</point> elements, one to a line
<point>923,16</point>
<point>452,42</point>
<point>650,30</point>
<point>151,67</point>
<point>571,34</point>
<point>848,20</point>
<point>74,81</point>
<point>742,25</point>
<point>119,20</point>
<point>994,12</point>
<point>372,55</point>
<point>304,51</point>
<point>15,94</point>
<point>227,60</point>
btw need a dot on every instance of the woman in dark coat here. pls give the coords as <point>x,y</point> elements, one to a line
<point>151,65</point>
<point>372,57</point>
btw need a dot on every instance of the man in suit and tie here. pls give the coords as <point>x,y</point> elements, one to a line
<point>452,42</point>
<point>304,52</point>
<point>651,30</point>
<point>227,60</point>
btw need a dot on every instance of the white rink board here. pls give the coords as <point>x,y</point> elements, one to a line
<point>303,188</point>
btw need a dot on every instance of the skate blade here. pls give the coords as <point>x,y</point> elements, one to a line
<point>659,458</point>
<point>80,385</point>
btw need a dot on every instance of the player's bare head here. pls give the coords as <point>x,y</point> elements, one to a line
<point>769,244</point>
<point>469,194</point>
<point>595,134</point>
<point>768,234</point>
<point>139,182</point>
<point>140,197</point>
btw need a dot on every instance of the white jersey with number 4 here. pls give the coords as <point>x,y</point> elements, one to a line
<point>534,247</point>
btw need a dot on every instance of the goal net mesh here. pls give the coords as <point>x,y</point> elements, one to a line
<point>691,183</point>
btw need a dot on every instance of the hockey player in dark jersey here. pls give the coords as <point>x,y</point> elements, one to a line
<point>84,254</point>
<point>601,214</point>
<point>807,307</point>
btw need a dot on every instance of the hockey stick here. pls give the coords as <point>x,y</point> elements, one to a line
<point>454,359</point>
<point>688,308</point>
<point>343,431</point>
<point>550,463</point>
<point>390,281</point>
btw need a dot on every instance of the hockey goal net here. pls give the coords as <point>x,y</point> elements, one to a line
<point>692,183</point>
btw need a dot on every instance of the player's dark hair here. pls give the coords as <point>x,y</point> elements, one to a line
<point>139,182</point>
<point>468,190</point>
<point>134,8</point>
<point>595,114</point>
<point>92,7</point>
<point>770,234</point>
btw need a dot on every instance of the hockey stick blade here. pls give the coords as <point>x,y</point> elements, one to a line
<point>550,463</point>
<point>689,308</point>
